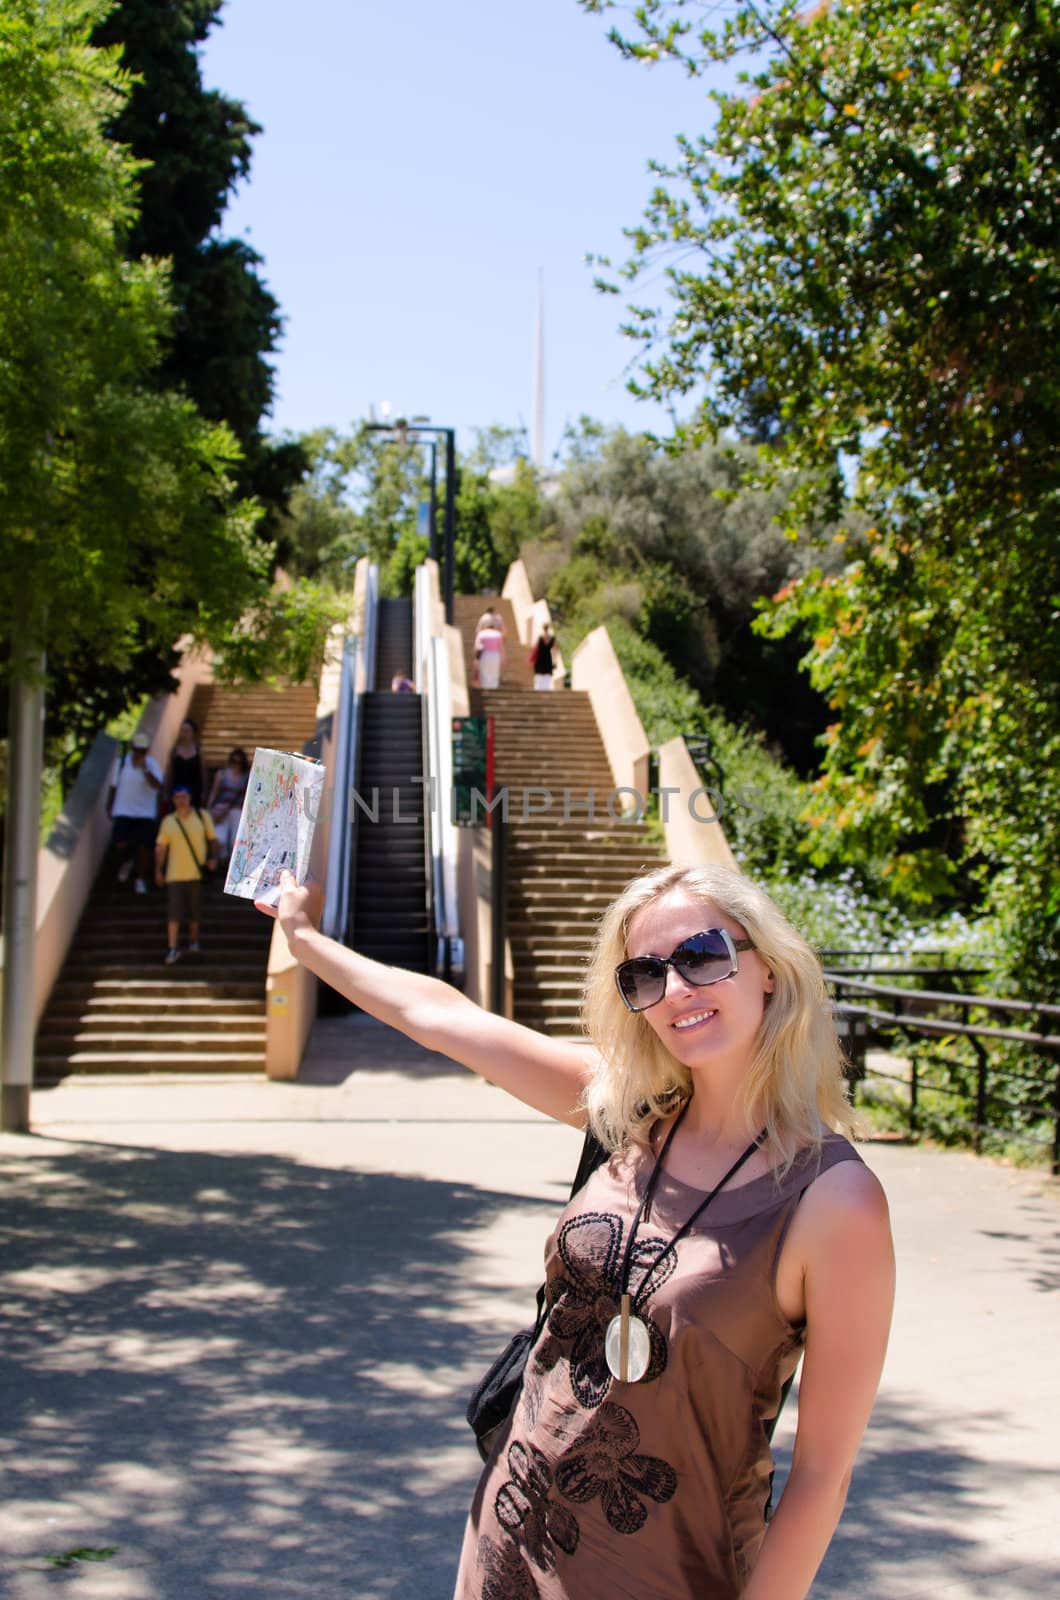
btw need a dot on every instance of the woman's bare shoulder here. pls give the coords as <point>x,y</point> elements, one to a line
<point>844,1204</point>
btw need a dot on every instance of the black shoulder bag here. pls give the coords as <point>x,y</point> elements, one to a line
<point>495,1395</point>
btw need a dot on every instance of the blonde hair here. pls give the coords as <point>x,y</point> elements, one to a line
<point>795,1080</point>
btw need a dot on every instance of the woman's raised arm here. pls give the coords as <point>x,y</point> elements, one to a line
<point>548,1074</point>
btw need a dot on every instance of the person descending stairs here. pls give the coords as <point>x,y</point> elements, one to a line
<point>116,1007</point>
<point>569,852</point>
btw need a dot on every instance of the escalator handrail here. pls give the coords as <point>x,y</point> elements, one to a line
<point>443,828</point>
<point>431,669</point>
<point>358,675</point>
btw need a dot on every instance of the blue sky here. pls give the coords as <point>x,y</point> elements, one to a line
<point>418,165</point>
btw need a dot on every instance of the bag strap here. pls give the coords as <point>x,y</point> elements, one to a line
<point>199,864</point>
<point>593,1155</point>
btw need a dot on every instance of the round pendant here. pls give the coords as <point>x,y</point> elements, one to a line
<point>638,1352</point>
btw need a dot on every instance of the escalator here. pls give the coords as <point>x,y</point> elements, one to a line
<point>390,916</point>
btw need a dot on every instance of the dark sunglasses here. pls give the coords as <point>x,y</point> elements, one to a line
<point>704,958</point>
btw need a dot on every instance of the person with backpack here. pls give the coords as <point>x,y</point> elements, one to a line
<point>132,804</point>
<point>733,1230</point>
<point>186,847</point>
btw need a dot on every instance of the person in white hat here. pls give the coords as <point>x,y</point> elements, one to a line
<point>133,806</point>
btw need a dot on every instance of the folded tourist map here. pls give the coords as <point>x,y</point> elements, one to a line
<point>275,834</point>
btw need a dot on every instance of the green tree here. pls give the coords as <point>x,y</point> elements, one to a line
<point>496,513</point>
<point>679,545</point>
<point>867,247</point>
<point>320,531</point>
<point>363,496</point>
<point>196,145</point>
<point>119,528</point>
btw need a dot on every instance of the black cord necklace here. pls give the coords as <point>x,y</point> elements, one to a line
<point>627,1345</point>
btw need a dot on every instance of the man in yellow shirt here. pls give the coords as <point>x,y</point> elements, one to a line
<point>186,847</point>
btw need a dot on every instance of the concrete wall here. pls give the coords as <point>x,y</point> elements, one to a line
<point>438,622</point>
<point>517,589</point>
<point>530,615</point>
<point>163,716</point>
<point>474,879</point>
<point>694,835</point>
<point>595,668</point>
<point>290,991</point>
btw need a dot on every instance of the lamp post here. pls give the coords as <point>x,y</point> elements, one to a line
<point>418,428</point>
<point>432,531</point>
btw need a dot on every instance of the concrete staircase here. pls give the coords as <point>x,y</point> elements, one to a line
<point>278,719</point>
<point>517,671</point>
<point>115,1007</point>
<point>565,864</point>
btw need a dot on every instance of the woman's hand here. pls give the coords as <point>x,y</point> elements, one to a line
<point>300,906</point>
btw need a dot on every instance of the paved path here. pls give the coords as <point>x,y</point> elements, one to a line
<point>240,1320</point>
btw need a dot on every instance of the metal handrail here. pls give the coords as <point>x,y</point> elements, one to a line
<point>337,878</point>
<point>431,671</point>
<point>358,675</point>
<point>444,831</point>
<point>983,1002</point>
<point>370,629</point>
<point>861,1008</point>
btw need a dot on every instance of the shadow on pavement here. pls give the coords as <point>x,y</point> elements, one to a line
<point>248,1374</point>
<point>358,1043</point>
<point>1036,1253</point>
<point>919,1506</point>
<point>245,1373</point>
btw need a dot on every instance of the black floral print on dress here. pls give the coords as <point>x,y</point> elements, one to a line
<point>532,1396</point>
<point>605,1462</point>
<point>525,1508</point>
<point>585,1297</point>
<point>505,1575</point>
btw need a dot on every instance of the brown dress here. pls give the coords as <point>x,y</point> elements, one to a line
<point>657,1490</point>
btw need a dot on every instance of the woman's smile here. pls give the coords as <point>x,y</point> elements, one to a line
<point>694,1019</point>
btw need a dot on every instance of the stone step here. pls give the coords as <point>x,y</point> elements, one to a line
<point>134,932</point>
<point>565,1027</point>
<point>183,984</point>
<point>219,976</point>
<point>549,997</point>
<point>601,832</point>
<point>183,1005</point>
<point>532,898</point>
<point>167,1042</point>
<point>59,1065</point>
<point>170,1023</point>
<point>546,944</point>
<point>563,848</point>
<point>557,868</point>
<point>554,1003</point>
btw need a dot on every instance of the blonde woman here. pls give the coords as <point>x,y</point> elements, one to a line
<point>733,1229</point>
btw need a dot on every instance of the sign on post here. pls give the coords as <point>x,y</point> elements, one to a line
<point>472,770</point>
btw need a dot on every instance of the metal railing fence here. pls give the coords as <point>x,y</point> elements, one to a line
<point>995,1061</point>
